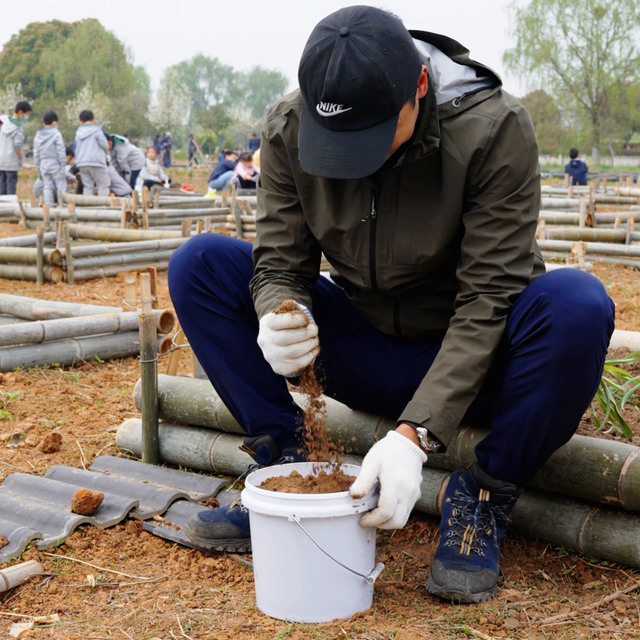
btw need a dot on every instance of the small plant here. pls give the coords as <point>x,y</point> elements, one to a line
<point>5,396</point>
<point>98,358</point>
<point>617,388</point>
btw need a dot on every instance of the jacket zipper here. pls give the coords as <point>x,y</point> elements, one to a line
<point>372,239</point>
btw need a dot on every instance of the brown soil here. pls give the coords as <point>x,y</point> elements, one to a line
<point>318,446</point>
<point>51,443</point>
<point>86,502</point>
<point>323,482</point>
<point>3,542</point>
<point>212,597</point>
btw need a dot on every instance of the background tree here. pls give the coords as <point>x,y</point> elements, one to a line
<point>9,98</point>
<point>580,50</point>
<point>260,89</point>
<point>547,121</point>
<point>171,110</point>
<point>213,121</point>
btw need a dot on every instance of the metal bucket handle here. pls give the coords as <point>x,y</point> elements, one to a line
<point>371,578</point>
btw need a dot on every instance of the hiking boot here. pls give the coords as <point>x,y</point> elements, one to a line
<point>227,528</point>
<point>475,510</point>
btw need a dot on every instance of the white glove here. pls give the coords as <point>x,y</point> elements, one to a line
<point>397,463</point>
<point>289,341</point>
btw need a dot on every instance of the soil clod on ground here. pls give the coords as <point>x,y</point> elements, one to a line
<point>86,502</point>
<point>3,542</point>
<point>51,443</point>
<point>324,482</point>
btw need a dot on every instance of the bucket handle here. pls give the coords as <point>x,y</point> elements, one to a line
<point>371,578</point>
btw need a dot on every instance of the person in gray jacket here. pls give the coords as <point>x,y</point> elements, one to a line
<point>11,142</point>
<point>91,149</point>
<point>50,158</point>
<point>127,159</point>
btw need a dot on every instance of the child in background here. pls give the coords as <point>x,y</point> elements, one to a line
<point>126,158</point>
<point>91,149</point>
<point>72,173</point>
<point>152,174</point>
<point>11,143</point>
<point>246,172</point>
<point>50,158</point>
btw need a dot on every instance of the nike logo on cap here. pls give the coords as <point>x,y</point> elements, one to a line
<point>328,109</point>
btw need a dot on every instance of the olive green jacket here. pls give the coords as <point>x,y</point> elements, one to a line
<point>442,245</point>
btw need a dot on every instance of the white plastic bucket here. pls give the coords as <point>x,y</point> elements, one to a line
<point>312,561</point>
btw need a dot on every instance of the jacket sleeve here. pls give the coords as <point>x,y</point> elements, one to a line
<point>122,156</point>
<point>286,255</point>
<point>162,176</point>
<point>36,152</point>
<point>103,143</point>
<point>499,220</point>
<point>61,151</point>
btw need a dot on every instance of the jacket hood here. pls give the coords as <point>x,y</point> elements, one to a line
<point>48,133</point>
<point>85,131</point>
<point>119,140</point>
<point>9,128</point>
<point>456,83</point>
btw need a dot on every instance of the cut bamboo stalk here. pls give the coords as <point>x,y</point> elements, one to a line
<point>593,235</point>
<point>8,320</point>
<point>180,339</point>
<point>46,217</point>
<point>153,281</point>
<point>148,374</point>
<point>609,199</point>
<point>145,219</point>
<point>61,329</point>
<point>599,531</point>
<point>123,215</point>
<point>216,212</point>
<point>25,272</point>
<point>111,272</point>
<point>207,224</point>
<point>18,574</point>
<point>607,471</point>
<point>559,203</point>
<point>36,309</point>
<point>70,351</point>
<point>593,248</point>
<point>130,291</point>
<point>29,255</point>
<point>136,257</point>
<point>93,250</point>
<point>185,228</point>
<point>93,201</point>
<point>85,232</point>
<point>200,226</point>
<point>68,254</point>
<point>71,208</point>
<point>39,255</point>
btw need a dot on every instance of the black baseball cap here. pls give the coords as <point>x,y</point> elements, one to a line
<point>358,69</point>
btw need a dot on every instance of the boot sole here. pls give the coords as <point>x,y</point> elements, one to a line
<point>232,545</point>
<point>460,596</point>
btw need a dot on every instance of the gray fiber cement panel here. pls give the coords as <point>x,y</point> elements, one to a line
<point>39,508</point>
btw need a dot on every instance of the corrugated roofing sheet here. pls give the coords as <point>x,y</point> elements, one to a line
<point>39,508</point>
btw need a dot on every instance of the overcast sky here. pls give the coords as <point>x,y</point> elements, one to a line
<point>271,33</point>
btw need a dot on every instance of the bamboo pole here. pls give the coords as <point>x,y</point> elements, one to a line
<point>36,309</point>
<point>28,272</point>
<point>607,471</point>
<point>18,574</point>
<point>111,272</point>
<point>559,203</point>
<point>70,351</point>
<point>39,255</point>
<point>49,330</point>
<point>604,248</point>
<point>607,199</point>
<point>136,257</point>
<point>85,232</point>
<point>68,254</point>
<point>597,235</point>
<point>93,201</point>
<point>46,217</point>
<point>599,531</point>
<point>181,213</point>
<point>628,339</point>
<point>148,374</point>
<point>83,216</point>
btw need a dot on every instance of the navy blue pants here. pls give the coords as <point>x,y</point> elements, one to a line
<point>134,178</point>
<point>543,377</point>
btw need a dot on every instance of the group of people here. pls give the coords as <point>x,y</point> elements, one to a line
<point>243,171</point>
<point>163,145</point>
<point>95,162</point>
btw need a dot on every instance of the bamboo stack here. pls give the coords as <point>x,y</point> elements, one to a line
<point>37,332</point>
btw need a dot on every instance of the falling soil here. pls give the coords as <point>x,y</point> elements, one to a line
<point>3,542</point>
<point>316,440</point>
<point>85,502</point>
<point>51,443</point>
<point>323,482</point>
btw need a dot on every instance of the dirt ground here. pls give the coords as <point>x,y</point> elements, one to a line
<point>165,591</point>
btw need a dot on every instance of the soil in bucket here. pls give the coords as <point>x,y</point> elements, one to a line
<point>316,440</point>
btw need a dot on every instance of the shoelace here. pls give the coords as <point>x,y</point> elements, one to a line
<point>473,521</point>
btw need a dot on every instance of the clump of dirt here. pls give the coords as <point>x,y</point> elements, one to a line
<point>323,482</point>
<point>3,542</point>
<point>316,440</point>
<point>85,502</point>
<point>51,443</point>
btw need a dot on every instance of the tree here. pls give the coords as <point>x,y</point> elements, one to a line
<point>261,88</point>
<point>24,59</point>
<point>213,121</point>
<point>172,103</point>
<point>10,97</point>
<point>581,50</point>
<point>547,120</point>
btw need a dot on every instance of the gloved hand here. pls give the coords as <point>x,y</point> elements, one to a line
<point>289,341</point>
<point>397,463</point>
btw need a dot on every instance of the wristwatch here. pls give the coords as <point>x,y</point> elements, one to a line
<point>427,441</point>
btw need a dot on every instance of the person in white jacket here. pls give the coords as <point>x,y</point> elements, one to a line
<point>50,157</point>
<point>11,143</point>
<point>152,173</point>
